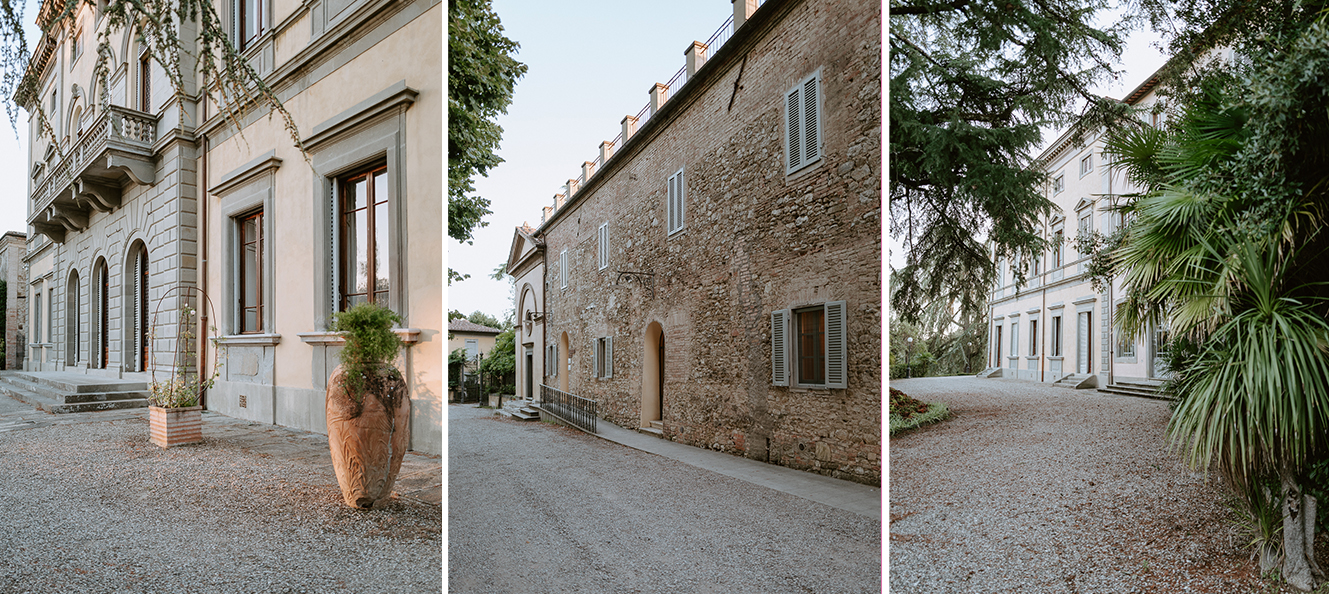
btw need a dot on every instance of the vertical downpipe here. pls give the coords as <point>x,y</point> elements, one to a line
<point>203,255</point>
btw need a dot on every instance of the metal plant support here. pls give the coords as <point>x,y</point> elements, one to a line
<point>569,407</point>
<point>181,365</point>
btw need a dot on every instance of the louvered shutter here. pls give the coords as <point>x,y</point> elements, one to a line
<point>563,268</point>
<point>555,363</point>
<point>334,284</point>
<point>811,122</point>
<point>836,364</point>
<point>595,358</point>
<point>137,292</point>
<point>793,108</point>
<point>682,208</point>
<point>780,347</point>
<point>609,356</point>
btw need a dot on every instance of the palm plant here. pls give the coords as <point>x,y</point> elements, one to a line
<point>1225,247</point>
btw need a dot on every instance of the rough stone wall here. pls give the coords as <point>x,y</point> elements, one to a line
<point>13,246</point>
<point>756,240</point>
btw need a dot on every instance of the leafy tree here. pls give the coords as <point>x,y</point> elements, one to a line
<point>972,82</point>
<point>481,77</point>
<point>501,363</point>
<point>484,319</point>
<point>1226,246</point>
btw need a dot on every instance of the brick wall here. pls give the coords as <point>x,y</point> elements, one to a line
<point>756,240</point>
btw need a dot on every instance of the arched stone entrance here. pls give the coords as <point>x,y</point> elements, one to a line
<point>652,376</point>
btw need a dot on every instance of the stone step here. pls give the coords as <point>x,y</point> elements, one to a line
<point>526,414</point>
<point>1131,390</point>
<point>80,383</point>
<point>657,425</point>
<point>41,396</point>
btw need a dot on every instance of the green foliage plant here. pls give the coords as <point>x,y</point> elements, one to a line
<point>908,413</point>
<point>369,351</point>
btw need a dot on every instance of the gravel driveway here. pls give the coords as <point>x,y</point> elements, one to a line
<point>95,507</point>
<point>1031,488</point>
<point>534,507</point>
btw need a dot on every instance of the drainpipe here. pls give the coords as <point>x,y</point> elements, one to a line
<point>203,255</point>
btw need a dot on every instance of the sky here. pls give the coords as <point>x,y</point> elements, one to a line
<point>589,64</point>
<point>14,150</point>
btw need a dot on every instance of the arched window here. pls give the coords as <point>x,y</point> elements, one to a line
<point>136,303</point>
<point>72,310</point>
<point>100,347</point>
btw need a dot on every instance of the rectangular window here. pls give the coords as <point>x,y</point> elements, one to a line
<point>675,204</point>
<point>1056,336</point>
<point>1059,184</point>
<point>808,346</point>
<point>604,357</point>
<point>37,317</point>
<point>1086,164</point>
<point>249,19</point>
<point>1086,223</point>
<point>563,268</point>
<point>251,273</point>
<point>803,124</point>
<point>604,246</point>
<point>1058,239</point>
<point>1015,338</point>
<point>76,48</point>
<point>472,348</point>
<point>1033,338</point>
<point>810,327</point>
<point>145,82</point>
<point>551,365</point>
<point>365,256</point>
<point>1125,343</point>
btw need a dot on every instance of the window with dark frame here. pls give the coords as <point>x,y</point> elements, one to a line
<point>1033,338</point>
<point>251,273</point>
<point>249,15</point>
<point>145,81</point>
<point>1056,336</point>
<point>810,328</point>
<point>77,47</point>
<point>364,253</point>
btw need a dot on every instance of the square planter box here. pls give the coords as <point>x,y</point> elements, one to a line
<point>175,426</point>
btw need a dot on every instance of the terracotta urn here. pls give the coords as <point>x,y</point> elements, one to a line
<point>170,427</point>
<point>368,439</point>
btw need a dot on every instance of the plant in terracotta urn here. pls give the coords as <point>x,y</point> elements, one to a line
<point>369,410</point>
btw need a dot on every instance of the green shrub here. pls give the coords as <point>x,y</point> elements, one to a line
<point>370,348</point>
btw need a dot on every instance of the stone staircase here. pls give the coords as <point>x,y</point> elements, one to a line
<point>990,372</point>
<point>1140,388</point>
<point>1078,381</point>
<point>60,392</point>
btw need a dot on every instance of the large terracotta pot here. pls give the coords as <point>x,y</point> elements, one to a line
<point>170,427</point>
<point>367,440</point>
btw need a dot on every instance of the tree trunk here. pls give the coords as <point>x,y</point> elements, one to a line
<point>1299,568</point>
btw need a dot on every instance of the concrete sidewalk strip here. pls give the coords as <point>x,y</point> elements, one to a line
<point>841,494</point>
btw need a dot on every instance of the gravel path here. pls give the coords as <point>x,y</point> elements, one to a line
<point>1031,488</point>
<point>95,507</point>
<point>534,507</point>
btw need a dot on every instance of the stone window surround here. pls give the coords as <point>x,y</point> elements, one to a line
<point>248,188</point>
<point>373,131</point>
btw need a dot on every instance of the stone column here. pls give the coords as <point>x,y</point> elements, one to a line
<point>629,127</point>
<point>695,56</point>
<point>743,10</point>
<point>659,94</point>
<point>606,151</point>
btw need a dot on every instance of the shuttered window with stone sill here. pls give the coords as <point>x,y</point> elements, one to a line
<point>603,355</point>
<point>803,124</point>
<point>675,204</point>
<point>808,346</point>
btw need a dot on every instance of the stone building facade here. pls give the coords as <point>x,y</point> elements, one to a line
<point>526,264</point>
<point>157,193</point>
<point>1057,327</point>
<point>15,275</point>
<point>715,276</point>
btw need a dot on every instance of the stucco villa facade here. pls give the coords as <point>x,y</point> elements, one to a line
<point>1056,327</point>
<point>713,275</point>
<point>148,194</point>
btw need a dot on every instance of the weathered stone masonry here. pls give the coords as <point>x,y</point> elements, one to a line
<point>755,240</point>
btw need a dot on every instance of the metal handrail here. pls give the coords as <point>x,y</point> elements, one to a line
<point>574,409</point>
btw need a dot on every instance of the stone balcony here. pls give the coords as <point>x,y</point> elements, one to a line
<point>112,155</point>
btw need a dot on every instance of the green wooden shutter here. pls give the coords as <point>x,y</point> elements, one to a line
<point>780,347</point>
<point>836,361</point>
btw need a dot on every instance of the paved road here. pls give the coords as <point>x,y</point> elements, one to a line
<point>534,507</point>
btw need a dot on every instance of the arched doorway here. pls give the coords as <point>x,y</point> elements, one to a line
<point>652,376</point>
<point>136,308</point>
<point>72,319</point>
<point>563,356</point>
<point>101,344</point>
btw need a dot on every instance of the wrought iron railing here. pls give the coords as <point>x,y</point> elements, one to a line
<point>569,407</point>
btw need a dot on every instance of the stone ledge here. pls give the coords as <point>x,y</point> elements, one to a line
<point>409,336</point>
<point>249,340</point>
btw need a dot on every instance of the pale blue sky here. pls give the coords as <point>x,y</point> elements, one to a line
<point>589,64</point>
<point>14,151</point>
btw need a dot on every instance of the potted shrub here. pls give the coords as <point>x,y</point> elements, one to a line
<point>368,408</point>
<point>175,416</point>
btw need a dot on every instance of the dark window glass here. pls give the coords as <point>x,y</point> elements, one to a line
<point>365,254</point>
<point>251,273</point>
<point>811,346</point>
